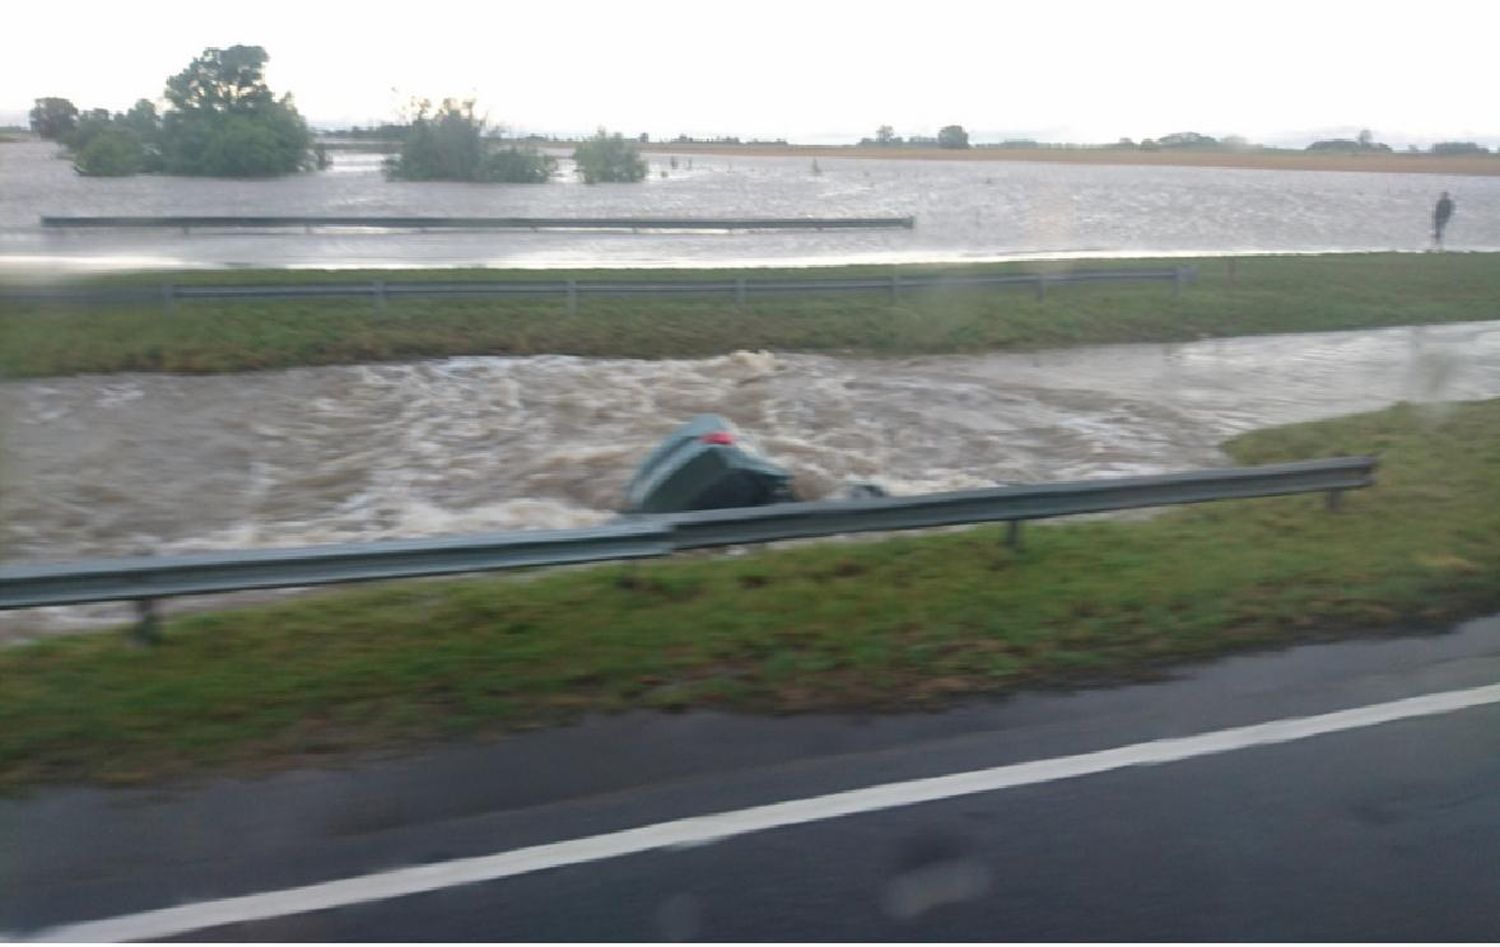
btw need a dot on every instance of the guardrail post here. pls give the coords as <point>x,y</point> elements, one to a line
<point>168,296</point>
<point>1231,270</point>
<point>1176,282</point>
<point>895,286</point>
<point>1334,501</point>
<point>147,628</point>
<point>1041,286</point>
<point>143,579</point>
<point>378,289</point>
<point>572,297</point>
<point>739,291</point>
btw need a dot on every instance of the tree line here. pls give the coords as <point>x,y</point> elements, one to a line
<point>949,136</point>
<point>954,136</point>
<point>222,120</point>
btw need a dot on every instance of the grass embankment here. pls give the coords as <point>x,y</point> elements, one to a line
<point>1267,294</point>
<point>892,624</point>
<point>1260,160</point>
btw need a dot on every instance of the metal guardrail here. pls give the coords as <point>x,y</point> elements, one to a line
<point>148,578</point>
<point>1015,504</point>
<point>187,223</point>
<point>168,294</point>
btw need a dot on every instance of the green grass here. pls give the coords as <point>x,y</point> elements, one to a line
<point>1268,294</point>
<point>907,622</point>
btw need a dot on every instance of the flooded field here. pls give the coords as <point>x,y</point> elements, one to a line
<point>141,464</point>
<point>964,211</point>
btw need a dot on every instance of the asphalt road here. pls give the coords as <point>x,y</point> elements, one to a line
<point>1387,831</point>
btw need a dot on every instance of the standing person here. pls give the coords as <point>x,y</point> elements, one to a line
<point>1440,216</point>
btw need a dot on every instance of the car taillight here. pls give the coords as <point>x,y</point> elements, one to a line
<point>718,437</point>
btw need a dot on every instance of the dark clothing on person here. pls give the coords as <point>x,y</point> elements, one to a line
<point>1440,216</point>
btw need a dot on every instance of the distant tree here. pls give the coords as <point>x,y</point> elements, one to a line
<point>386,132</point>
<point>644,138</point>
<point>608,158</point>
<point>952,136</point>
<point>89,125</point>
<point>517,165</point>
<point>886,137</point>
<point>225,121</point>
<point>222,80</point>
<point>114,151</point>
<point>1125,143</point>
<point>142,122</point>
<point>241,147</point>
<point>108,145</point>
<point>451,144</point>
<point>141,119</point>
<point>53,118</point>
<point>1348,146</point>
<point>1187,140</point>
<point>1365,139</point>
<point>1459,148</point>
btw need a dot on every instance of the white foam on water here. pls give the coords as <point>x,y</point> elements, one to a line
<point>161,464</point>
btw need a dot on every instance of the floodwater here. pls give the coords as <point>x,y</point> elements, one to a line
<point>965,210</point>
<point>143,464</point>
<point>160,464</point>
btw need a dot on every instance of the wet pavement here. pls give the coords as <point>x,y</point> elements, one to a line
<point>1385,832</point>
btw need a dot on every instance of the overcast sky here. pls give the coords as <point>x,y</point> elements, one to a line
<point>1062,70</point>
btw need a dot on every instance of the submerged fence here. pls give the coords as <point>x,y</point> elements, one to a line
<point>740,288</point>
<point>146,579</point>
<point>201,222</point>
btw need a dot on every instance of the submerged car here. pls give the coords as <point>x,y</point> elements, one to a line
<point>706,464</point>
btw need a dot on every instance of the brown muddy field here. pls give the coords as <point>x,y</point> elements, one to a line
<point>1269,161</point>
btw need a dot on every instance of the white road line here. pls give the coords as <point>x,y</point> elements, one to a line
<point>381,885</point>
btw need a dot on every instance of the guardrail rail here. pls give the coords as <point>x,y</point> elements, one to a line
<point>230,222</point>
<point>146,579</point>
<point>740,288</point>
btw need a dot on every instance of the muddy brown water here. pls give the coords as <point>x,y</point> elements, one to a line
<point>161,464</point>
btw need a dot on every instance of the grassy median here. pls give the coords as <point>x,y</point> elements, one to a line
<point>1263,295</point>
<point>898,623</point>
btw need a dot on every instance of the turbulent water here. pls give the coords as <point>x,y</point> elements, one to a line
<point>965,210</point>
<point>137,464</point>
<point>142,464</point>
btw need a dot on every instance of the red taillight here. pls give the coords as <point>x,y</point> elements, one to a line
<point>718,437</point>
